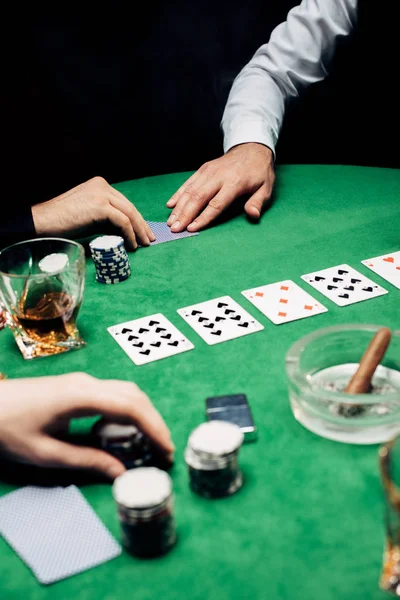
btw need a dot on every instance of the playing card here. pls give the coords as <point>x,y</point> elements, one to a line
<point>164,234</point>
<point>343,285</point>
<point>149,338</point>
<point>283,302</point>
<point>55,531</point>
<point>219,320</point>
<point>387,266</point>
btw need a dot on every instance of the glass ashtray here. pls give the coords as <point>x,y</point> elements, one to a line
<point>318,368</point>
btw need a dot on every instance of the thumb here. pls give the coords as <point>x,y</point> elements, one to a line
<point>258,200</point>
<point>62,454</point>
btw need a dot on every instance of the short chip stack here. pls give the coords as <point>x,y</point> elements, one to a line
<point>110,259</point>
<point>2,319</point>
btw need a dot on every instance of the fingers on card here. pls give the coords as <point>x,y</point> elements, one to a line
<point>386,266</point>
<point>163,233</point>
<point>283,302</point>
<point>219,320</point>
<point>150,338</point>
<point>344,285</point>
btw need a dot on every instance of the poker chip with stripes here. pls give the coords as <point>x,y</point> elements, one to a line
<point>110,258</point>
<point>2,319</point>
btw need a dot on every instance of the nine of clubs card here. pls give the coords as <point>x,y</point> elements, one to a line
<point>149,338</point>
<point>387,266</point>
<point>219,320</point>
<point>283,302</point>
<point>343,285</point>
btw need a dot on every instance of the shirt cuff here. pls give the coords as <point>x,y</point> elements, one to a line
<point>250,131</point>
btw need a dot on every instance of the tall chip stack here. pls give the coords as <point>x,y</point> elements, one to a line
<point>110,258</point>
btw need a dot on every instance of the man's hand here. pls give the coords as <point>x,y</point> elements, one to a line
<point>245,169</point>
<point>32,411</point>
<point>90,207</point>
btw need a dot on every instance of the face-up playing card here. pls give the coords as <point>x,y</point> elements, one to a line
<point>219,320</point>
<point>55,531</point>
<point>164,234</point>
<point>343,285</point>
<point>283,302</point>
<point>149,338</point>
<point>387,266</point>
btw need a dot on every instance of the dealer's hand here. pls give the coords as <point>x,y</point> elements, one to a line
<point>245,169</point>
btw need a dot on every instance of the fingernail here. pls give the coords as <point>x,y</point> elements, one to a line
<point>171,219</point>
<point>175,226</point>
<point>169,202</point>
<point>192,226</point>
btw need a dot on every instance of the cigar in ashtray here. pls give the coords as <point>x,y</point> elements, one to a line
<point>360,383</point>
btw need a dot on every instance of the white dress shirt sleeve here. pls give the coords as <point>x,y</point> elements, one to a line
<point>300,52</point>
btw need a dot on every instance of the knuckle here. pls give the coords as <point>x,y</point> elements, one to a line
<point>41,455</point>
<point>98,181</point>
<point>236,182</point>
<point>215,204</point>
<point>195,194</point>
<point>80,377</point>
<point>125,222</point>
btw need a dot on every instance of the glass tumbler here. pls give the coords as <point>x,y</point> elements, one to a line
<point>41,290</point>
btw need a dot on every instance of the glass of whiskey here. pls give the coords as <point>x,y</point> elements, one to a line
<point>41,290</point>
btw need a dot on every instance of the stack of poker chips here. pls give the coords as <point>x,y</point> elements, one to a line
<point>212,459</point>
<point>110,259</point>
<point>124,441</point>
<point>2,319</point>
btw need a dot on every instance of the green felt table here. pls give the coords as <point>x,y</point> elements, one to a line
<point>308,523</point>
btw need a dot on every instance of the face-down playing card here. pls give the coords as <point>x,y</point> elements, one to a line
<point>387,266</point>
<point>149,338</point>
<point>284,301</point>
<point>344,285</point>
<point>163,233</point>
<point>219,320</point>
<point>55,531</point>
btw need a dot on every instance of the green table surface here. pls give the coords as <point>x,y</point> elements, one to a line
<point>308,523</point>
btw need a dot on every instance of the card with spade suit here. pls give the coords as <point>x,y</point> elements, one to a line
<point>219,320</point>
<point>344,285</point>
<point>149,338</point>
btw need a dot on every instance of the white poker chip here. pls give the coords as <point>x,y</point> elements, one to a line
<point>54,263</point>
<point>143,487</point>
<point>115,431</point>
<point>216,438</point>
<point>106,242</point>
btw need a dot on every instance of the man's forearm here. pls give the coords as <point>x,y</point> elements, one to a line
<point>299,53</point>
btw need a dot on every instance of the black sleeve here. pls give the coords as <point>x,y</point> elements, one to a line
<point>16,225</point>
